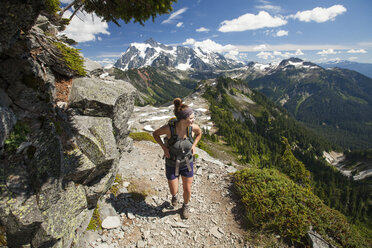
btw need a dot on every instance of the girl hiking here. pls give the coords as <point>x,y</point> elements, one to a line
<point>179,148</point>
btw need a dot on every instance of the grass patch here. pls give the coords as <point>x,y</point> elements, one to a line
<point>95,222</point>
<point>142,136</point>
<point>72,58</point>
<point>17,136</point>
<point>117,184</point>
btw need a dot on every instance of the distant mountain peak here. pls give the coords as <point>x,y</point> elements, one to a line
<point>152,53</point>
<point>151,42</point>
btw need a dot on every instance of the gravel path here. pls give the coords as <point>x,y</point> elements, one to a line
<point>153,222</point>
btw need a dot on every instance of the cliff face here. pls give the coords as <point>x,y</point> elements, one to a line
<point>58,156</point>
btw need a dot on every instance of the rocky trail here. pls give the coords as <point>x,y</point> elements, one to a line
<point>132,220</point>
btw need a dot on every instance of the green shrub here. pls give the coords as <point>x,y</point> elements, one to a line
<point>202,145</point>
<point>275,203</point>
<point>72,58</point>
<point>142,136</point>
<point>17,136</point>
<point>52,6</point>
<point>95,222</point>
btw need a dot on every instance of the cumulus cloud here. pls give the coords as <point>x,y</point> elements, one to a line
<point>281,33</point>
<point>270,8</point>
<point>252,22</point>
<point>327,52</point>
<point>174,16</point>
<point>353,58</point>
<point>189,41</point>
<point>86,27</point>
<point>278,54</point>
<point>202,29</point>
<point>319,14</point>
<point>260,47</point>
<point>229,51</point>
<point>180,24</point>
<point>357,51</point>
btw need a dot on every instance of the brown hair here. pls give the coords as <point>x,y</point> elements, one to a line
<point>182,111</point>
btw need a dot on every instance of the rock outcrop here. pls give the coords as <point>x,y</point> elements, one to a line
<point>57,157</point>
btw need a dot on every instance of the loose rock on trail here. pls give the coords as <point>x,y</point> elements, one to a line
<point>142,203</point>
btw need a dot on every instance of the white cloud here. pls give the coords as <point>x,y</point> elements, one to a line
<point>174,16</point>
<point>278,54</point>
<point>202,29</point>
<point>260,47</point>
<point>281,33</point>
<point>291,47</point>
<point>189,41</point>
<point>270,8</point>
<point>265,55</point>
<point>180,24</point>
<point>229,51</point>
<point>357,51</point>
<point>319,14</point>
<point>99,38</point>
<point>66,1</point>
<point>353,58</point>
<point>251,22</point>
<point>86,27</point>
<point>327,52</point>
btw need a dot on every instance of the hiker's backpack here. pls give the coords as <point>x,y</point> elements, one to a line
<point>172,125</point>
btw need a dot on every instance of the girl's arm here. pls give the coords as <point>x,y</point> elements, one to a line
<point>161,131</point>
<point>198,134</point>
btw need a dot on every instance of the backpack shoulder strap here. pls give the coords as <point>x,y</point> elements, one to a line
<point>189,134</point>
<point>172,126</point>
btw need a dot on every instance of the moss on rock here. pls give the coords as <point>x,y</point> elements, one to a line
<point>95,222</point>
<point>72,58</point>
<point>142,136</point>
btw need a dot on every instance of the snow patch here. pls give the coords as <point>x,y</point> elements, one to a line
<point>185,66</point>
<point>201,109</point>
<point>261,67</point>
<point>148,128</point>
<point>104,75</point>
<point>156,118</point>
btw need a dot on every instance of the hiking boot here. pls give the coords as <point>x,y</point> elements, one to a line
<point>185,212</point>
<point>174,200</point>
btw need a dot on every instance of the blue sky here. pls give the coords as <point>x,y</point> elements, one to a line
<point>247,30</point>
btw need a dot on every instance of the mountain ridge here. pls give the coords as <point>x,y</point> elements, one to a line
<point>363,68</point>
<point>152,53</point>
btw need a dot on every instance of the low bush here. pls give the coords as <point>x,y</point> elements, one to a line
<point>275,203</point>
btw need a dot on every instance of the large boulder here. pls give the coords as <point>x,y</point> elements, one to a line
<point>37,206</point>
<point>95,138</point>
<point>97,97</point>
<point>104,98</point>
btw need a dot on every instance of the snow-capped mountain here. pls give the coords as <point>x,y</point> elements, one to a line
<point>152,53</point>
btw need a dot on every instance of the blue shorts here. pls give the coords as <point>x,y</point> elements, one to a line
<point>170,171</point>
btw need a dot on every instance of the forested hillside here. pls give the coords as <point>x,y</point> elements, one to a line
<point>157,85</point>
<point>266,136</point>
<point>335,103</point>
